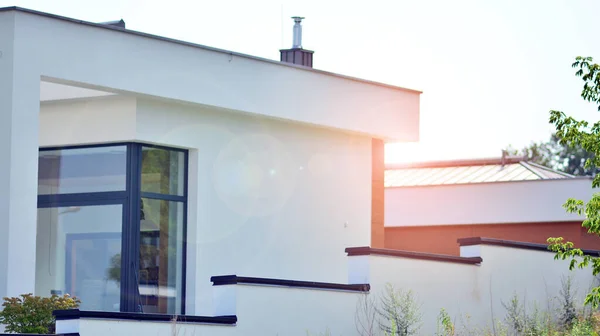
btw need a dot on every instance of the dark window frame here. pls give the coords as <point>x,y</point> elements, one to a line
<point>130,199</point>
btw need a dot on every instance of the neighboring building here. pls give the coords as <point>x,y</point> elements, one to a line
<point>430,205</point>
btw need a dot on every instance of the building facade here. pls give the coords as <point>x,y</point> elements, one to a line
<point>429,206</point>
<point>137,167</point>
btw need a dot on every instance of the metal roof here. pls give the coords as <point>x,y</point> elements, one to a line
<point>468,171</point>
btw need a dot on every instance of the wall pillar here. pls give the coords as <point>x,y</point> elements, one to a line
<point>377,193</point>
<point>19,114</point>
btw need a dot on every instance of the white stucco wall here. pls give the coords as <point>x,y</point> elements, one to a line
<point>267,198</point>
<point>261,310</point>
<point>484,203</point>
<point>102,327</point>
<point>98,120</point>
<point>295,311</point>
<point>476,291</point>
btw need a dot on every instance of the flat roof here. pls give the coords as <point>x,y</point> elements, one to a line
<point>195,45</point>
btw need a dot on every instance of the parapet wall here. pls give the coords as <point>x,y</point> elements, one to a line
<point>488,272</point>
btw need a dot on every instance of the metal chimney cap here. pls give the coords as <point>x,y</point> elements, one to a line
<point>297,32</point>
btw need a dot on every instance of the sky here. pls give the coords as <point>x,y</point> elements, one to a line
<point>490,71</point>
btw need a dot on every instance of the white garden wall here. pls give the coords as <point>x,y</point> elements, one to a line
<point>468,289</point>
<point>103,327</point>
<point>471,293</point>
<point>295,311</point>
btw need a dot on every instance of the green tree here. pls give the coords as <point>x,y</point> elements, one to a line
<point>572,132</point>
<point>568,158</point>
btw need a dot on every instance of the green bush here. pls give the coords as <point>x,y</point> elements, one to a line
<point>29,314</point>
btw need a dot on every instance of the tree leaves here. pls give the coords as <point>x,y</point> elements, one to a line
<point>566,157</point>
<point>579,133</point>
<point>28,314</point>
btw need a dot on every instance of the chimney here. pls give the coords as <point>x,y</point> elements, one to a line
<point>297,55</point>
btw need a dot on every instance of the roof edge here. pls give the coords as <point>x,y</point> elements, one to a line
<point>539,166</point>
<point>572,179</point>
<point>456,163</point>
<point>470,241</point>
<point>201,46</point>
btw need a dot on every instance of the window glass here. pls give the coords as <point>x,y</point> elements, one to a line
<point>78,252</point>
<point>161,256</point>
<point>162,171</point>
<point>79,242</point>
<point>82,170</point>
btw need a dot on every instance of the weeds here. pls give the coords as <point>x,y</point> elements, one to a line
<point>445,326</point>
<point>399,313</point>
<point>365,317</point>
<point>568,313</point>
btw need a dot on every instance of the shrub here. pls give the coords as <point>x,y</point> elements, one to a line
<point>445,326</point>
<point>399,313</point>
<point>29,314</point>
<point>567,313</point>
<point>581,328</point>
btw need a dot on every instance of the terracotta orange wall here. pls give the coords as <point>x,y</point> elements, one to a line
<point>377,194</point>
<point>442,239</point>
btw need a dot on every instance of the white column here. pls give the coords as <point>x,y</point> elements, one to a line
<point>224,300</point>
<point>19,113</point>
<point>470,251</point>
<point>359,269</point>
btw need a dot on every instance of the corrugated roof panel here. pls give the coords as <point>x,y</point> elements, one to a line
<point>525,174</point>
<point>481,173</point>
<point>419,175</point>
<point>462,175</point>
<point>445,174</point>
<point>471,172</point>
<point>512,172</point>
<point>487,171</point>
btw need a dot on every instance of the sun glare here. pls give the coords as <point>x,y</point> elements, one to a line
<point>404,153</point>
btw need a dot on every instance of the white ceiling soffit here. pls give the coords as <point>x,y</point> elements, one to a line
<point>52,91</point>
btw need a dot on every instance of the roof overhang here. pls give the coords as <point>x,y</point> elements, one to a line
<point>57,92</point>
<point>110,59</point>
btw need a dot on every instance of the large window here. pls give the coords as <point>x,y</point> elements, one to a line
<point>111,227</point>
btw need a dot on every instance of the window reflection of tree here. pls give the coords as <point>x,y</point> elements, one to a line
<point>160,172</point>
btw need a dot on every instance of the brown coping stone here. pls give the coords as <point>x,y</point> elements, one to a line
<point>365,250</point>
<point>222,280</point>
<point>514,244</point>
<point>75,314</point>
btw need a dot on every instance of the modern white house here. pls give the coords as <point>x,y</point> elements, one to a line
<point>155,164</point>
<point>181,189</point>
